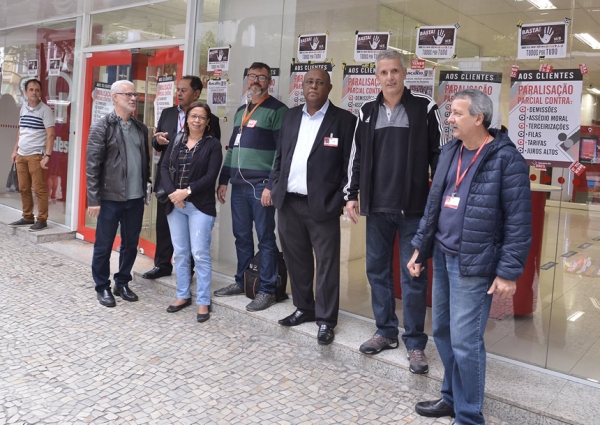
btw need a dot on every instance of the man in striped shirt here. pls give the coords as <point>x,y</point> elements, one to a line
<point>35,141</point>
<point>248,166</point>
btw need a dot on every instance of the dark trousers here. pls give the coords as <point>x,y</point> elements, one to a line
<point>247,210</point>
<point>129,215</point>
<point>300,234</point>
<point>164,246</point>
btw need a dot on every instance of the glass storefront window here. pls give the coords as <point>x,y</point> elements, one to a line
<point>155,21</point>
<point>553,321</point>
<point>51,48</point>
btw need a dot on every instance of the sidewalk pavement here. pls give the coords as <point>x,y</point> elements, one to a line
<point>67,360</point>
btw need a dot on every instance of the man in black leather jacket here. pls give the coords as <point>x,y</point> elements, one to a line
<point>117,172</point>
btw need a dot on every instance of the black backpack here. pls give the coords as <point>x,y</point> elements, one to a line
<point>252,278</point>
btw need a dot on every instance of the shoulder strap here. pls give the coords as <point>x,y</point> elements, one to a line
<point>176,143</point>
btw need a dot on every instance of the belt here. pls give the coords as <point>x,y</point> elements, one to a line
<point>297,195</point>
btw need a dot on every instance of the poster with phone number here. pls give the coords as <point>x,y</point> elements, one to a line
<point>544,117</point>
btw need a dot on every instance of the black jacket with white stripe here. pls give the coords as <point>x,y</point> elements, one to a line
<point>424,141</point>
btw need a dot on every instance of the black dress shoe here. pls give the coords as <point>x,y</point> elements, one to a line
<point>325,335</point>
<point>434,409</point>
<point>125,293</point>
<point>296,318</point>
<point>176,308</point>
<point>106,298</point>
<point>155,273</point>
<point>202,317</point>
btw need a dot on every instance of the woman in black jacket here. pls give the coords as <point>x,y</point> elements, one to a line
<point>189,172</point>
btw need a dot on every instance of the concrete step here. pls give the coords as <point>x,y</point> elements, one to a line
<point>54,231</point>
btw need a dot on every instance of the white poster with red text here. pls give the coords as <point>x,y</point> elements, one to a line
<point>545,114</point>
<point>101,101</point>
<point>358,87</point>
<point>451,82</point>
<point>420,80</point>
<point>217,92</point>
<point>165,88</point>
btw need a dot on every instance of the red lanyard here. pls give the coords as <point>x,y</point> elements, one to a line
<point>460,177</point>
<point>246,116</point>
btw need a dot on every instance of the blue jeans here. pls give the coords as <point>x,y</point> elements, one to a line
<point>461,307</point>
<point>191,231</point>
<point>245,210</point>
<point>129,215</point>
<point>381,234</point>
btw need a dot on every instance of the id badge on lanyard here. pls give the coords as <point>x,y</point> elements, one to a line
<point>451,202</point>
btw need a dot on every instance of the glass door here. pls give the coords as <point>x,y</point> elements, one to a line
<point>143,68</point>
<point>102,69</point>
<point>160,66</point>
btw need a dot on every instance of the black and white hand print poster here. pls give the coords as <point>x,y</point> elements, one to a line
<point>369,44</point>
<point>543,41</point>
<point>436,42</point>
<point>218,58</point>
<point>312,47</point>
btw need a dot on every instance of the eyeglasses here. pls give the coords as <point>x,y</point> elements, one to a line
<point>197,118</point>
<point>310,82</point>
<point>130,94</point>
<point>261,78</point>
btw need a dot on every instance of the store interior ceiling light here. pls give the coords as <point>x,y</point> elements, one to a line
<point>575,316</point>
<point>542,4</point>
<point>594,90</point>
<point>589,40</point>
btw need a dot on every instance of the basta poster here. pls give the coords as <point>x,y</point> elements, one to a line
<point>32,68</point>
<point>544,117</point>
<point>218,58</point>
<point>543,41</point>
<point>54,67</point>
<point>436,42</point>
<point>367,45</point>
<point>312,47</point>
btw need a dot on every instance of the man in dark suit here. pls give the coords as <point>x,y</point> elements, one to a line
<point>309,175</point>
<point>171,122</point>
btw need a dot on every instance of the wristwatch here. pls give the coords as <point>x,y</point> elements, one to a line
<point>47,154</point>
<point>189,191</point>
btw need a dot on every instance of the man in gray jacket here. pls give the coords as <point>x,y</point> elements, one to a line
<point>117,171</point>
